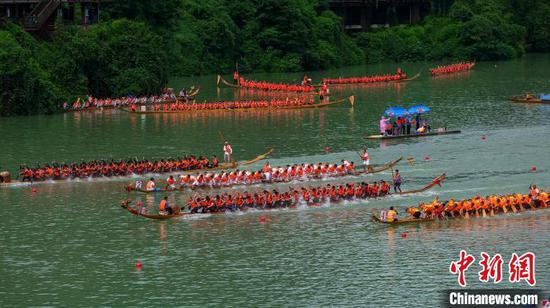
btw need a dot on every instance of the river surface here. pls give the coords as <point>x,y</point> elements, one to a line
<point>70,244</point>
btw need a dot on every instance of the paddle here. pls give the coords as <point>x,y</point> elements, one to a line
<point>513,208</point>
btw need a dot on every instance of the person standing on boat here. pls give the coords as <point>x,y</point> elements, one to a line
<point>383,125</point>
<point>366,160</point>
<point>227,152</point>
<point>397,181</point>
<point>324,92</point>
<point>236,77</point>
<point>408,120</point>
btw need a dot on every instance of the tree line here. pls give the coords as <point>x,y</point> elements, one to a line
<point>140,43</point>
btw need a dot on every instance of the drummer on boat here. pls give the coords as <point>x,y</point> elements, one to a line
<point>171,183</point>
<point>164,207</point>
<point>151,186</point>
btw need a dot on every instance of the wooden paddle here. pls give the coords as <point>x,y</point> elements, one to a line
<point>513,208</point>
<point>483,213</point>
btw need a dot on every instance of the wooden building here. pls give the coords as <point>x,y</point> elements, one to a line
<point>39,16</point>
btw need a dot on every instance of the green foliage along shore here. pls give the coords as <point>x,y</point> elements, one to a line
<point>140,43</point>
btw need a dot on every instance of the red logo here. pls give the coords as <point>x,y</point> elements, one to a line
<point>461,266</point>
<point>522,268</point>
<point>492,268</point>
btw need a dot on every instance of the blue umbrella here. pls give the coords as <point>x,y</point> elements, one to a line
<point>419,109</point>
<point>396,112</point>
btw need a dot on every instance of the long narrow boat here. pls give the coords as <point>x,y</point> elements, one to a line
<point>127,205</point>
<point>350,99</point>
<point>400,221</point>
<point>192,94</point>
<point>437,181</point>
<point>411,220</point>
<point>416,76</point>
<point>221,81</point>
<point>528,100</point>
<point>223,166</point>
<point>433,133</point>
<point>465,69</point>
<point>372,170</point>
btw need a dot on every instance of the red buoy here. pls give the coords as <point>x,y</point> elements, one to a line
<point>404,234</point>
<point>427,158</point>
<point>33,189</point>
<point>138,266</point>
<point>262,219</point>
<point>534,168</point>
<point>483,137</point>
<point>327,150</point>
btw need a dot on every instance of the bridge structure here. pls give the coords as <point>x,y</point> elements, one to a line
<point>364,15</point>
<point>39,16</point>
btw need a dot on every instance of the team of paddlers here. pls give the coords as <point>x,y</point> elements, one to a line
<point>230,105</point>
<point>269,86</point>
<point>267,174</point>
<point>93,102</point>
<point>369,79</point>
<point>166,97</point>
<point>102,168</point>
<point>478,205</point>
<point>311,196</point>
<point>452,68</point>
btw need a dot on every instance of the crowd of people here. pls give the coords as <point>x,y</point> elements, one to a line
<point>369,79</point>
<point>452,68</point>
<point>270,86</point>
<point>478,205</point>
<point>229,105</point>
<point>97,103</point>
<point>103,168</point>
<point>267,174</point>
<point>311,196</point>
<point>405,125</point>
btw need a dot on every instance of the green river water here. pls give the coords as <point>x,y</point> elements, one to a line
<point>70,244</point>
